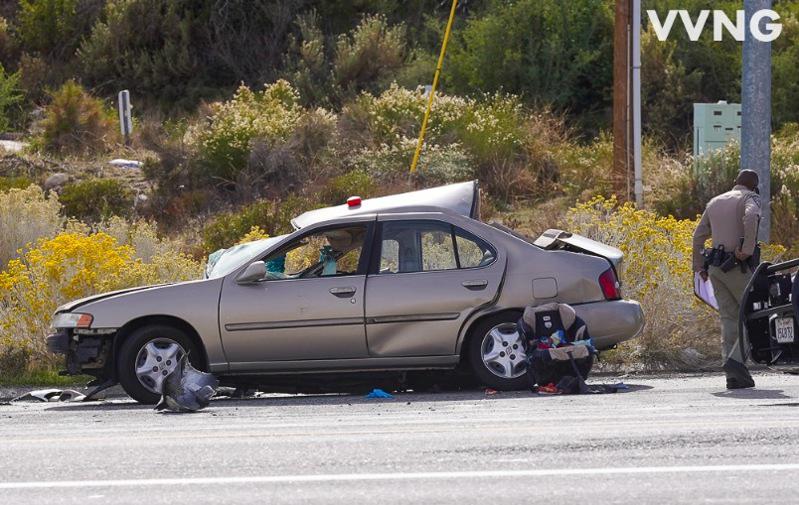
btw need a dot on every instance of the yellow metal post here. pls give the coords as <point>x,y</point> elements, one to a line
<point>433,89</point>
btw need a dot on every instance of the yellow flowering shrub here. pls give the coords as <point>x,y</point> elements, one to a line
<point>255,233</point>
<point>72,265</point>
<point>657,271</point>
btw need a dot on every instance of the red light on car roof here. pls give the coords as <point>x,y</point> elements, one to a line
<point>354,201</point>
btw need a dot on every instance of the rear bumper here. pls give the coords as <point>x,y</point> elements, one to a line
<point>612,322</point>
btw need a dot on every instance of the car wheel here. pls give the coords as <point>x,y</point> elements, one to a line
<point>496,353</point>
<point>148,355</point>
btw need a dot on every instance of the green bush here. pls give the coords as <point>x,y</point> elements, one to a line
<point>548,51</point>
<point>55,27</point>
<point>225,141</point>
<point>367,57</point>
<point>271,216</point>
<point>95,200</point>
<point>353,183</point>
<point>395,115</point>
<point>307,63</point>
<point>437,164</point>
<point>176,53</point>
<point>493,128</point>
<point>10,99</point>
<point>701,179</point>
<point>14,182</point>
<point>76,122</point>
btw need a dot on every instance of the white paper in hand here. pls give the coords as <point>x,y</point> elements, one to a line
<point>704,291</point>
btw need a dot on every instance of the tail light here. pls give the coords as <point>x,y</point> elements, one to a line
<point>610,285</point>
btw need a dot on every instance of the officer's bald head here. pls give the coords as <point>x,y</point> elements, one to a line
<point>748,178</point>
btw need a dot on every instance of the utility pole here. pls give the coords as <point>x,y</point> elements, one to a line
<point>621,97</point>
<point>636,99</point>
<point>756,112</point>
<point>627,100</point>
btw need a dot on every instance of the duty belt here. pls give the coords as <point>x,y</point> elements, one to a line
<point>720,258</point>
<point>726,261</point>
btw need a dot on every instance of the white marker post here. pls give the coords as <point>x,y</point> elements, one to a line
<point>125,119</point>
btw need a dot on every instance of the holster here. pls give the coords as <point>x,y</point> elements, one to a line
<point>728,263</point>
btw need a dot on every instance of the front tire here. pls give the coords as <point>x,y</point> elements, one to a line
<point>496,353</point>
<point>148,355</point>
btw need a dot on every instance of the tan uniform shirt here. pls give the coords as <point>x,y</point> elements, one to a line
<point>728,218</point>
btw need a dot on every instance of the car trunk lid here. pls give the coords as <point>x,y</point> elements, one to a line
<point>563,240</point>
<point>463,198</point>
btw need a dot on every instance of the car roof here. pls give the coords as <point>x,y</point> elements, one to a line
<point>462,198</point>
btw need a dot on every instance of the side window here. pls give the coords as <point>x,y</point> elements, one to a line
<point>472,253</point>
<point>426,246</point>
<point>438,249</point>
<point>332,252</point>
<point>389,256</point>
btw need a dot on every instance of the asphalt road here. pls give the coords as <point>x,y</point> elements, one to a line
<point>668,440</point>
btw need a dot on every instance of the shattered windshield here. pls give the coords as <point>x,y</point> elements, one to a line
<point>224,261</point>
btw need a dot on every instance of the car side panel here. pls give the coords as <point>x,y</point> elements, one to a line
<point>576,276</point>
<point>421,313</point>
<point>194,302</point>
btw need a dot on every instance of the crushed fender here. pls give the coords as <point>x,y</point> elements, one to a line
<point>187,389</point>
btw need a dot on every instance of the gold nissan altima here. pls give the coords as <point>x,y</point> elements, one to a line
<point>402,283</point>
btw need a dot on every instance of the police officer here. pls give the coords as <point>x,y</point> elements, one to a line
<point>731,220</point>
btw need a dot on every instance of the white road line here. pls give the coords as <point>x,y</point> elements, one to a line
<point>350,477</point>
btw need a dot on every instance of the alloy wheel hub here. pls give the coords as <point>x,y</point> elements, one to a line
<point>155,360</point>
<point>503,352</point>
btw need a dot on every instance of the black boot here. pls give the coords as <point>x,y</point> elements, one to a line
<point>737,375</point>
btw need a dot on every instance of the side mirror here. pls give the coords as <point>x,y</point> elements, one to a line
<point>254,272</point>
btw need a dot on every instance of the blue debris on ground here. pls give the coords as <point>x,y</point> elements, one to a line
<point>378,393</point>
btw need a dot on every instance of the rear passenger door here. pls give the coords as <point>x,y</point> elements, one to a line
<point>428,276</point>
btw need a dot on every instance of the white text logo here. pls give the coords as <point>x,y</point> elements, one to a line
<point>766,33</point>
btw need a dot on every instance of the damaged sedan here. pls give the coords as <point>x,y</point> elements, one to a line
<point>396,284</point>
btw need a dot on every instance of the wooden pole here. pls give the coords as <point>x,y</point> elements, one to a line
<point>621,99</point>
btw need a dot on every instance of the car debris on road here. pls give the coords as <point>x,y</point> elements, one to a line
<point>379,393</point>
<point>51,395</point>
<point>187,389</point>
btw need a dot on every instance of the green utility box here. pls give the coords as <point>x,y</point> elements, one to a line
<point>715,125</point>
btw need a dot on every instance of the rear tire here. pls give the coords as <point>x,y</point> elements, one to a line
<point>130,351</point>
<point>476,352</point>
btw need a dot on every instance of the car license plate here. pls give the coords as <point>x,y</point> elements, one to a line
<point>784,329</point>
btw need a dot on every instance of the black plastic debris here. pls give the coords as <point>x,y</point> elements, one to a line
<point>187,389</point>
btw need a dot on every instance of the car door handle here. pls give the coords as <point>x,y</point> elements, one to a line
<point>343,291</point>
<point>475,284</point>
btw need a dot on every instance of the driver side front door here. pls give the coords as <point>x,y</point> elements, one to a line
<point>312,310</point>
